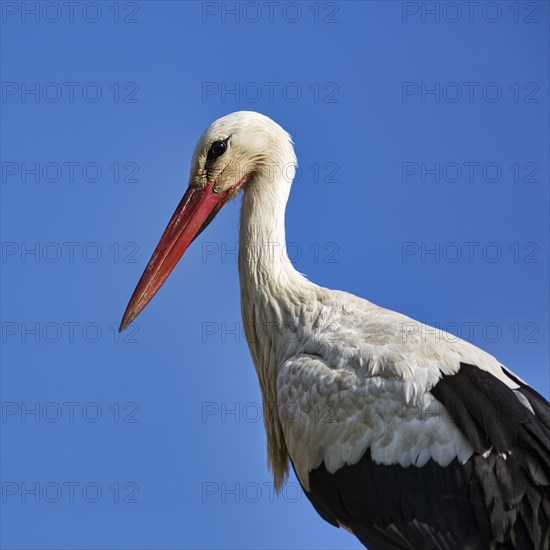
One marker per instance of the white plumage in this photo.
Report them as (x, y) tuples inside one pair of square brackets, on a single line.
[(358, 388)]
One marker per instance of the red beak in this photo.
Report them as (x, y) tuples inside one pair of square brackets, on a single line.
[(196, 210)]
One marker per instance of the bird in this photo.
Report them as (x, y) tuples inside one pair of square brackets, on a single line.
[(408, 437)]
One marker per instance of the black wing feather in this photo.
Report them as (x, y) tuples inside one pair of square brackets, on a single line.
[(499, 498)]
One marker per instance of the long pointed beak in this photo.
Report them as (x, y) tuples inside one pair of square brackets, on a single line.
[(196, 210)]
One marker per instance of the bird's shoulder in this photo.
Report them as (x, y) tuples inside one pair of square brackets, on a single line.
[(352, 334)]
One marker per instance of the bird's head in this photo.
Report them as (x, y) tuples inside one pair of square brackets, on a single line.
[(234, 152), (237, 147)]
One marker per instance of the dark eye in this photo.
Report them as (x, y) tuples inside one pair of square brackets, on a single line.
[(217, 149)]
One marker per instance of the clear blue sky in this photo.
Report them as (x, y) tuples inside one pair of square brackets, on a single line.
[(423, 144)]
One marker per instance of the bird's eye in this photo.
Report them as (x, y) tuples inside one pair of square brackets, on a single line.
[(217, 149)]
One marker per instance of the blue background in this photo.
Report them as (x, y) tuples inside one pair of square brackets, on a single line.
[(179, 375)]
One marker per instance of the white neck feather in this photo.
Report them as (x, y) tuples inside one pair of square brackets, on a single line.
[(270, 296), (262, 252)]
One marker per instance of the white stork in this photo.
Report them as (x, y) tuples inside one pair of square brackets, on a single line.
[(410, 439)]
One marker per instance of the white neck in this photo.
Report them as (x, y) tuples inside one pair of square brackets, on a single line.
[(271, 293), (263, 260)]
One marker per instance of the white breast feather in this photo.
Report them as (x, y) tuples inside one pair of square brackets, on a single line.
[(361, 379)]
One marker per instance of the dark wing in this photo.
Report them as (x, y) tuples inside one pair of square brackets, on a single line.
[(499, 498)]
